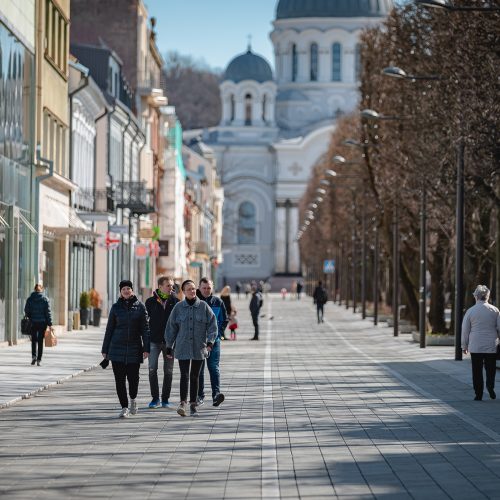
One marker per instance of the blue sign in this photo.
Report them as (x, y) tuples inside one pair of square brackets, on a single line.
[(329, 266)]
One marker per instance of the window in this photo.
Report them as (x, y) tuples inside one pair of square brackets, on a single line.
[(314, 63), (357, 61), (264, 103), (248, 110), (246, 224), (337, 62), (295, 63), (56, 37), (233, 108), (54, 142)]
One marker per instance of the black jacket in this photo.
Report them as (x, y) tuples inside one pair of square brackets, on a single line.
[(159, 312), (227, 303), (320, 295), (256, 303), (37, 309), (219, 309), (127, 331)]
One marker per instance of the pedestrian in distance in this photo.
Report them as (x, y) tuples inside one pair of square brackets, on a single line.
[(283, 293), (225, 295), (159, 307), (204, 293), (320, 297), (300, 286), (238, 289), (480, 334), (248, 289), (233, 323), (126, 344), (190, 334), (37, 309), (256, 304)]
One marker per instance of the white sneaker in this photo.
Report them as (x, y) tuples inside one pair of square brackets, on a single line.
[(181, 410), (133, 407), (124, 413)]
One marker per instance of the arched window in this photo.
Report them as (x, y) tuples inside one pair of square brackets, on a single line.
[(246, 224), (314, 62), (248, 110), (357, 61), (295, 63), (264, 104), (336, 62), (233, 107)]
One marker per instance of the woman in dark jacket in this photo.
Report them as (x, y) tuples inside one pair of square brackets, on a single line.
[(37, 309), (225, 295), (126, 344)]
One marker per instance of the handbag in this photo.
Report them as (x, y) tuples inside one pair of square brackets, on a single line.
[(50, 337), (26, 326)]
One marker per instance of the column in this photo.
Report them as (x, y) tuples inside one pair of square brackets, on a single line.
[(279, 249)]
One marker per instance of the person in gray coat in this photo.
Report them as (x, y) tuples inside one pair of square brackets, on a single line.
[(190, 334), (480, 331)]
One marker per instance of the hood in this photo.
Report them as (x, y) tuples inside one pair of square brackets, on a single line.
[(37, 296)]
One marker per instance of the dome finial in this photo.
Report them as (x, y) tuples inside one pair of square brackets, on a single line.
[(249, 46)]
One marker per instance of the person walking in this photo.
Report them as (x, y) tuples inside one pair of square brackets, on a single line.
[(204, 293), (299, 289), (159, 307), (233, 323), (320, 297), (256, 303), (37, 309), (480, 331), (126, 344), (238, 289), (225, 295), (190, 334)]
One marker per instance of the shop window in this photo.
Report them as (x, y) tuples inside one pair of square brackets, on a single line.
[(337, 62)]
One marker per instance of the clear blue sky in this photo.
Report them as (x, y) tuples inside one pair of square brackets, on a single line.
[(213, 30)]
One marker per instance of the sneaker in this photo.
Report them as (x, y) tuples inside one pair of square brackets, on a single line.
[(492, 394), (200, 401), (166, 404), (124, 413), (218, 399), (181, 409), (155, 403), (38, 363), (192, 411), (133, 407), (33, 361)]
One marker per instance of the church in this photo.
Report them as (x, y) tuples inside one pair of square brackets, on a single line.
[(275, 127)]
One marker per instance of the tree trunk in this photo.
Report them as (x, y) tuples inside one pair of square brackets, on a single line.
[(437, 271)]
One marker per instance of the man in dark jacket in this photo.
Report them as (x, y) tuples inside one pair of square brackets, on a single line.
[(37, 309), (204, 293), (320, 297), (159, 307), (256, 303)]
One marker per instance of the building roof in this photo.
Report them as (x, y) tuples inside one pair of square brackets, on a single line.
[(249, 66), (288, 9)]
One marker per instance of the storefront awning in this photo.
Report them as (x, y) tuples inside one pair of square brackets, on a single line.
[(67, 223)]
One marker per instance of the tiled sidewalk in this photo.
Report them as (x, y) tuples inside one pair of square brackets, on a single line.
[(339, 410)]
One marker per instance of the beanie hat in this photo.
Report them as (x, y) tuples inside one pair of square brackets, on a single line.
[(125, 283)]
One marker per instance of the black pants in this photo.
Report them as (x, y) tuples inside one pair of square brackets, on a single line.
[(37, 335), (319, 311), (130, 372), (255, 319), (192, 376), (488, 360)]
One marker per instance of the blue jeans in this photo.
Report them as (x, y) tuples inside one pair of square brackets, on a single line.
[(213, 361), (168, 368)]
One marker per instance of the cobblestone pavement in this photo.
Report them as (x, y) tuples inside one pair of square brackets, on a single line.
[(337, 410)]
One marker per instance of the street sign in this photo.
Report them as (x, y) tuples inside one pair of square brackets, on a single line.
[(329, 266), (118, 229)]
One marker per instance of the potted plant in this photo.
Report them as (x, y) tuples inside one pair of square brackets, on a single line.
[(95, 302), (84, 308)]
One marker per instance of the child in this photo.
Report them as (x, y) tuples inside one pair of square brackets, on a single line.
[(233, 323)]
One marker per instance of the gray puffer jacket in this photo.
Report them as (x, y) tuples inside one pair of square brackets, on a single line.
[(190, 328)]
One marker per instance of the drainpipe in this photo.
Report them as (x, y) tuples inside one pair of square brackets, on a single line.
[(124, 270)]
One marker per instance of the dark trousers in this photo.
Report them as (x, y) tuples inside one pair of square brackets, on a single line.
[(123, 372), (319, 311), (168, 369), (37, 335), (191, 375), (255, 319), (488, 360), (213, 362)]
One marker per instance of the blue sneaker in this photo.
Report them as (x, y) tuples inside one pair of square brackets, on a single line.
[(166, 404), (154, 404)]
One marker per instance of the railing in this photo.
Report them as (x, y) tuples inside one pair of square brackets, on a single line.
[(136, 197), (96, 200)]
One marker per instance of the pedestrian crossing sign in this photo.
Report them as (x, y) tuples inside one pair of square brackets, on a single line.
[(329, 266)]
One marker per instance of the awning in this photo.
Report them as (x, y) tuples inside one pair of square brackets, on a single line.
[(67, 223)]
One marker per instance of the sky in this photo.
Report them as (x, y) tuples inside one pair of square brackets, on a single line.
[(213, 30)]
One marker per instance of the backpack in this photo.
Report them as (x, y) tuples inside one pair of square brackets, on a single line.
[(323, 296)]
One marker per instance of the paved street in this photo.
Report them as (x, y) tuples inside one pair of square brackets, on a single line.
[(340, 410)]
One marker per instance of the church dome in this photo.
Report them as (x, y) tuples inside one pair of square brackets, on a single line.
[(249, 66), (291, 9)]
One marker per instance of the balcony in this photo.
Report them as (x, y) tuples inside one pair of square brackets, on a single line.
[(135, 196), (99, 201)]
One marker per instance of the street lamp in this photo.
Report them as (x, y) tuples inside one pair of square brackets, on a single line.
[(444, 4)]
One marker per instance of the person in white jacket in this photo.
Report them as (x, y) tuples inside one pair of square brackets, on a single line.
[(480, 331)]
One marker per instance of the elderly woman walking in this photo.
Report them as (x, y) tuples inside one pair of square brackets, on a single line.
[(480, 331), (190, 333)]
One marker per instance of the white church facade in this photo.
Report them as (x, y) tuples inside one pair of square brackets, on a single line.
[(275, 127)]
